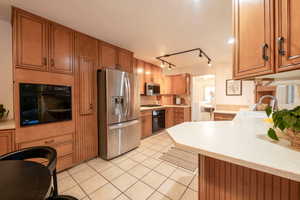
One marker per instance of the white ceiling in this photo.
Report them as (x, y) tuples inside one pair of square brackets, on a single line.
[(149, 28)]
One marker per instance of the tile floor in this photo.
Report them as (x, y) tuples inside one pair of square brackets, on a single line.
[(137, 175)]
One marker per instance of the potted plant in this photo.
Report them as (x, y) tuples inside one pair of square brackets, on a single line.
[(288, 121), (3, 112)]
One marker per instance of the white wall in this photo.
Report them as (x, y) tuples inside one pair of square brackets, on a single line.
[(6, 76), (224, 72)]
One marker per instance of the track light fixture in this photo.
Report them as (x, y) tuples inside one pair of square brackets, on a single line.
[(201, 54)]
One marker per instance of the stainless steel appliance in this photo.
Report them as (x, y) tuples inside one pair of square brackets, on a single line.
[(152, 89), (158, 120), (118, 112)]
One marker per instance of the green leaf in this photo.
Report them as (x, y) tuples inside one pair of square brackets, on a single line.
[(269, 111), (272, 134)]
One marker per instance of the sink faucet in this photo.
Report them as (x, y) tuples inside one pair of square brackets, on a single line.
[(273, 103)]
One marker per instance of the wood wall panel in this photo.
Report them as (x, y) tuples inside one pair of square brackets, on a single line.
[(220, 180)]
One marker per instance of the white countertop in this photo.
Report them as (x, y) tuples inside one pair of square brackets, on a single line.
[(10, 124), (242, 141), (164, 106)]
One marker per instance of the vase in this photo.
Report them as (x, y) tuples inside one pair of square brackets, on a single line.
[(294, 137)]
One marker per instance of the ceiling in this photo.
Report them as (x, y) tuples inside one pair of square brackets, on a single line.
[(149, 28)]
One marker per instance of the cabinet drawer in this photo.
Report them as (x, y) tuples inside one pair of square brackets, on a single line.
[(49, 141), (64, 162), (146, 113), (64, 149)]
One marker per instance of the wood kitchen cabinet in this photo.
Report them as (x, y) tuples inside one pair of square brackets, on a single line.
[(108, 55), (125, 60), (254, 35), (86, 85), (180, 84), (181, 115), (148, 72), (288, 40), (42, 45), (169, 117), (30, 41), (141, 75), (86, 145), (146, 124), (6, 141), (61, 49)]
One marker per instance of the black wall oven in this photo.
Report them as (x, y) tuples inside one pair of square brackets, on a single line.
[(158, 120)]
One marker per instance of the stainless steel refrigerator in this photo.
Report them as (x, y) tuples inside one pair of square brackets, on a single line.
[(118, 112)]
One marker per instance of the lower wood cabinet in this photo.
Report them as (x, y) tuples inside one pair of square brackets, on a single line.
[(62, 144), (146, 124), (223, 116), (6, 141), (181, 115), (169, 117)]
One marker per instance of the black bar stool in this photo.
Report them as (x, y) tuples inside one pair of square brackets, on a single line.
[(45, 152)]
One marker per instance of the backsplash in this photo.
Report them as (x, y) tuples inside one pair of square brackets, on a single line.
[(146, 100)]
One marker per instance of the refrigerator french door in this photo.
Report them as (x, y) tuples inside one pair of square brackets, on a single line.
[(118, 112)]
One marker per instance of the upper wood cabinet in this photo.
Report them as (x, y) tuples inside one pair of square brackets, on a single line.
[(42, 45), (108, 55), (125, 60), (166, 87), (141, 75), (253, 31), (61, 49), (180, 84), (148, 72), (30, 41), (288, 40), (87, 57)]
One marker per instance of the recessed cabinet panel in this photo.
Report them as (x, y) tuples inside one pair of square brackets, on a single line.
[(31, 41), (288, 39), (86, 85), (141, 75), (61, 49), (253, 31)]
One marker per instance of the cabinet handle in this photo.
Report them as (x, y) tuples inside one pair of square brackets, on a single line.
[(280, 46), (49, 141), (264, 52), (52, 62), (44, 61), (91, 106)]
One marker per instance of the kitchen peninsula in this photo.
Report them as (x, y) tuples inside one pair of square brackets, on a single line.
[(238, 161)]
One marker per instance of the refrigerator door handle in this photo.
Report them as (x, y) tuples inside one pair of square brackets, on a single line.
[(129, 95), (123, 125)]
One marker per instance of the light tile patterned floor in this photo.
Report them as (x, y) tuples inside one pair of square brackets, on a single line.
[(137, 175)]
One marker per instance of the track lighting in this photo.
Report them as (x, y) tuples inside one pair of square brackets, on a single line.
[(209, 63), (162, 65), (171, 65)]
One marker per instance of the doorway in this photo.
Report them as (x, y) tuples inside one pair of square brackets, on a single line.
[(203, 97)]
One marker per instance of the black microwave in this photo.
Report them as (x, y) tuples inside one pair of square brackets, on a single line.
[(152, 89)]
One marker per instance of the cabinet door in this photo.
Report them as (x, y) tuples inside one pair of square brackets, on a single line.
[(169, 117), (167, 85), (146, 126), (148, 73), (86, 86), (107, 55), (30, 41), (141, 75), (87, 47), (6, 144), (61, 49), (253, 31), (288, 40), (157, 72), (179, 84), (125, 60)]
